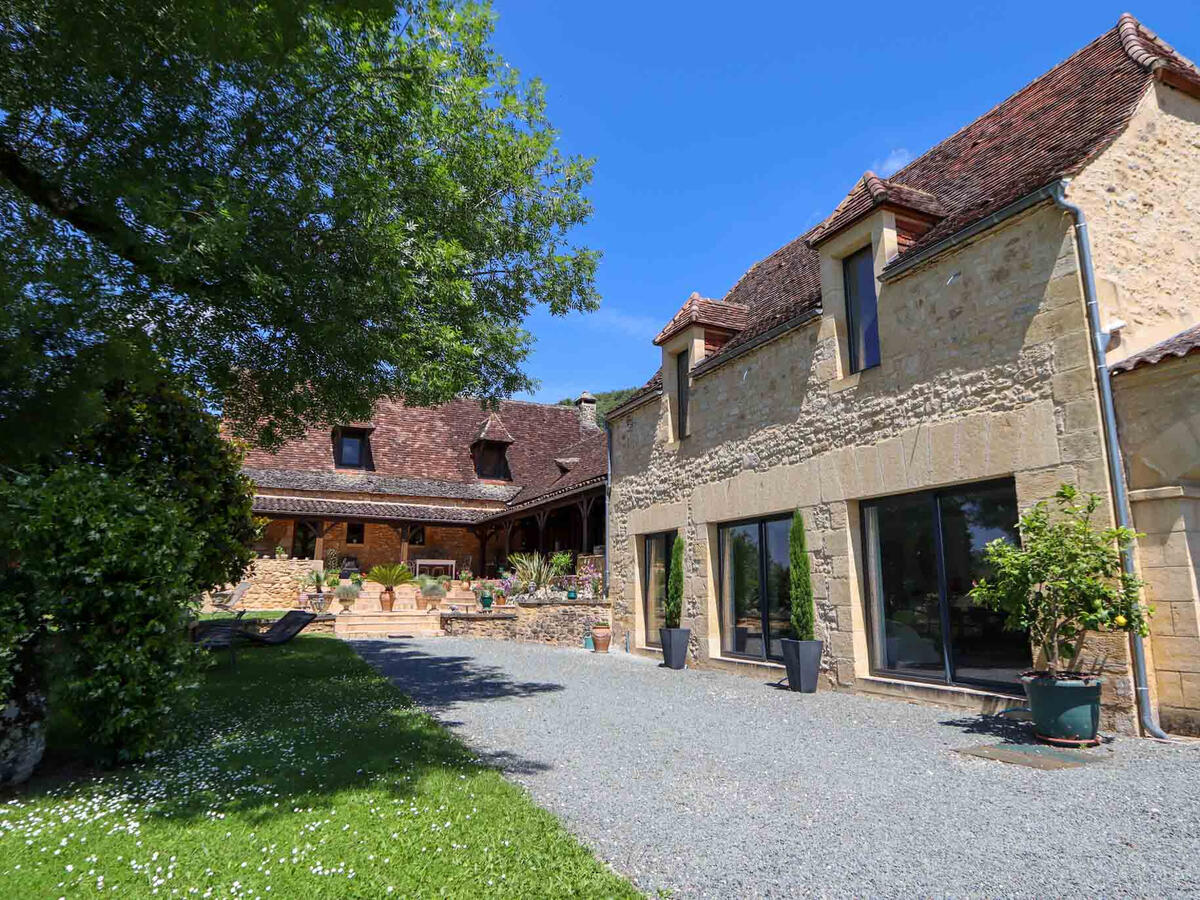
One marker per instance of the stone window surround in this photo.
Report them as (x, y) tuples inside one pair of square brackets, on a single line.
[(877, 230), (692, 340)]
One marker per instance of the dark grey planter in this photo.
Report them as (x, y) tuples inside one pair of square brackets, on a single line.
[(675, 645), (803, 661)]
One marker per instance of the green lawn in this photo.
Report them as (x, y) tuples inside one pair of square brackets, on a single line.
[(308, 776)]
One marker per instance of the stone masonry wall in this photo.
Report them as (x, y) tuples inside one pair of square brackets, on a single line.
[(562, 623), (275, 582), (1142, 201), (986, 372)]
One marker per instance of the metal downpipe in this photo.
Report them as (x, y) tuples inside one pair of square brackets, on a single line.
[(1108, 415)]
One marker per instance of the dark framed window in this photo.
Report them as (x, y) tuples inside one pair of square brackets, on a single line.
[(355, 532), (351, 449), (922, 553), (681, 393), (416, 536), (753, 582), (491, 460), (304, 538), (654, 583), (862, 314)]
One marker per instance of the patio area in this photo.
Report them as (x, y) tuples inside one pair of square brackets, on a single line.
[(712, 785)]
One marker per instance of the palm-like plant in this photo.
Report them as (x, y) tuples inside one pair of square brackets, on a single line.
[(532, 569), (390, 575)]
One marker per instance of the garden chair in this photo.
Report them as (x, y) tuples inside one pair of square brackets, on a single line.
[(230, 600), (222, 634), (283, 630)]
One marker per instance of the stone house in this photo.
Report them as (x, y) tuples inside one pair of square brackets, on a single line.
[(919, 368), (450, 484)]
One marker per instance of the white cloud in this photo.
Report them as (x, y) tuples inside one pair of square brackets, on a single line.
[(632, 324), (896, 160)]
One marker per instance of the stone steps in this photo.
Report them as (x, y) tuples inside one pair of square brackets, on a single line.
[(398, 623)]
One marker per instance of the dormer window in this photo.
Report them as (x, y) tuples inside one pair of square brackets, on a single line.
[(351, 449), (491, 460), (862, 319), (682, 386)]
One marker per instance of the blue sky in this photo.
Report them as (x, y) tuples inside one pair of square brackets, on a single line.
[(722, 131)]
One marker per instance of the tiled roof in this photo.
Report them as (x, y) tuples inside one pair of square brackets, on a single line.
[(493, 430), (426, 452), (698, 310), (368, 509), (591, 465), (365, 483), (870, 193), (1050, 129), (1179, 345)]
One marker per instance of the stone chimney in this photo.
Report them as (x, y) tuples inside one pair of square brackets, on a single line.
[(586, 407)]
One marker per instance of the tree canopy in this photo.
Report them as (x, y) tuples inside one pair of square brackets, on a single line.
[(301, 206)]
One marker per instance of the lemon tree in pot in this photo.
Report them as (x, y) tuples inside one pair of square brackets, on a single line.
[(801, 653), (1065, 580), (674, 639)]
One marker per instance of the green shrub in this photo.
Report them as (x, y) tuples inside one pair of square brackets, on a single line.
[(346, 592), (800, 577), (434, 590), (1064, 580), (560, 563), (111, 566), (390, 574), (673, 605), (332, 579)]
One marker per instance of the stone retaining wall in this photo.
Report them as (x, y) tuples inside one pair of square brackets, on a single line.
[(275, 582), (563, 623)]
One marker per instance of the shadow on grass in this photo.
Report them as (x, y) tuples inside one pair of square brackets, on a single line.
[(295, 726), (439, 682)]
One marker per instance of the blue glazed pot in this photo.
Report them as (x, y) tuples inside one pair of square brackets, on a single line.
[(1064, 710)]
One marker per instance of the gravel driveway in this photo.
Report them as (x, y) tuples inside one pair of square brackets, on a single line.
[(711, 785)]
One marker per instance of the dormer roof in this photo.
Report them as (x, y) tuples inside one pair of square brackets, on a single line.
[(871, 193), (493, 430), (696, 310)]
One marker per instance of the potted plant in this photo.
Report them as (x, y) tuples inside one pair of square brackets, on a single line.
[(602, 636), (389, 576), (572, 590), (346, 595), (801, 653), (1065, 580), (311, 583), (466, 576), (433, 595), (674, 639), (332, 580), (280, 553)]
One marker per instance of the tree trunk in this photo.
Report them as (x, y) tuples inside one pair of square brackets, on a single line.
[(23, 719)]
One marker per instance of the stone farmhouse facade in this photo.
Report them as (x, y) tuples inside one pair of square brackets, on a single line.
[(919, 368), (455, 482)]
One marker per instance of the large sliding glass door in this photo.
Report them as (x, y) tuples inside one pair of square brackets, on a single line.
[(754, 582), (923, 552), (654, 585)]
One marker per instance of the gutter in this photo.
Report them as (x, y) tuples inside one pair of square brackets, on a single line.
[(1108, 416), (894, 271)]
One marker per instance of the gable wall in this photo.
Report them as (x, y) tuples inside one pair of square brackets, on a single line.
[(1142, 201)]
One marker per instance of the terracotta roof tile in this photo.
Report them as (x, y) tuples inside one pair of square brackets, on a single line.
[(1176, 346), (870, 193), (697, 310), (368, 509), (493, 430)]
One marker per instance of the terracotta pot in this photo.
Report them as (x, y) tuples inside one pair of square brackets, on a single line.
[(387, 599), (601, 637)]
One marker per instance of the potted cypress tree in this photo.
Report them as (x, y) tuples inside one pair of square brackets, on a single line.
[(1065, 580), (674, 639), (801, 653)]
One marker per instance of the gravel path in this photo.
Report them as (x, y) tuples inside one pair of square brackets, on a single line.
[(711, 785)]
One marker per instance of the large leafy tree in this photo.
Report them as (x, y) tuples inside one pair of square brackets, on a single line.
[(301, 205)]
